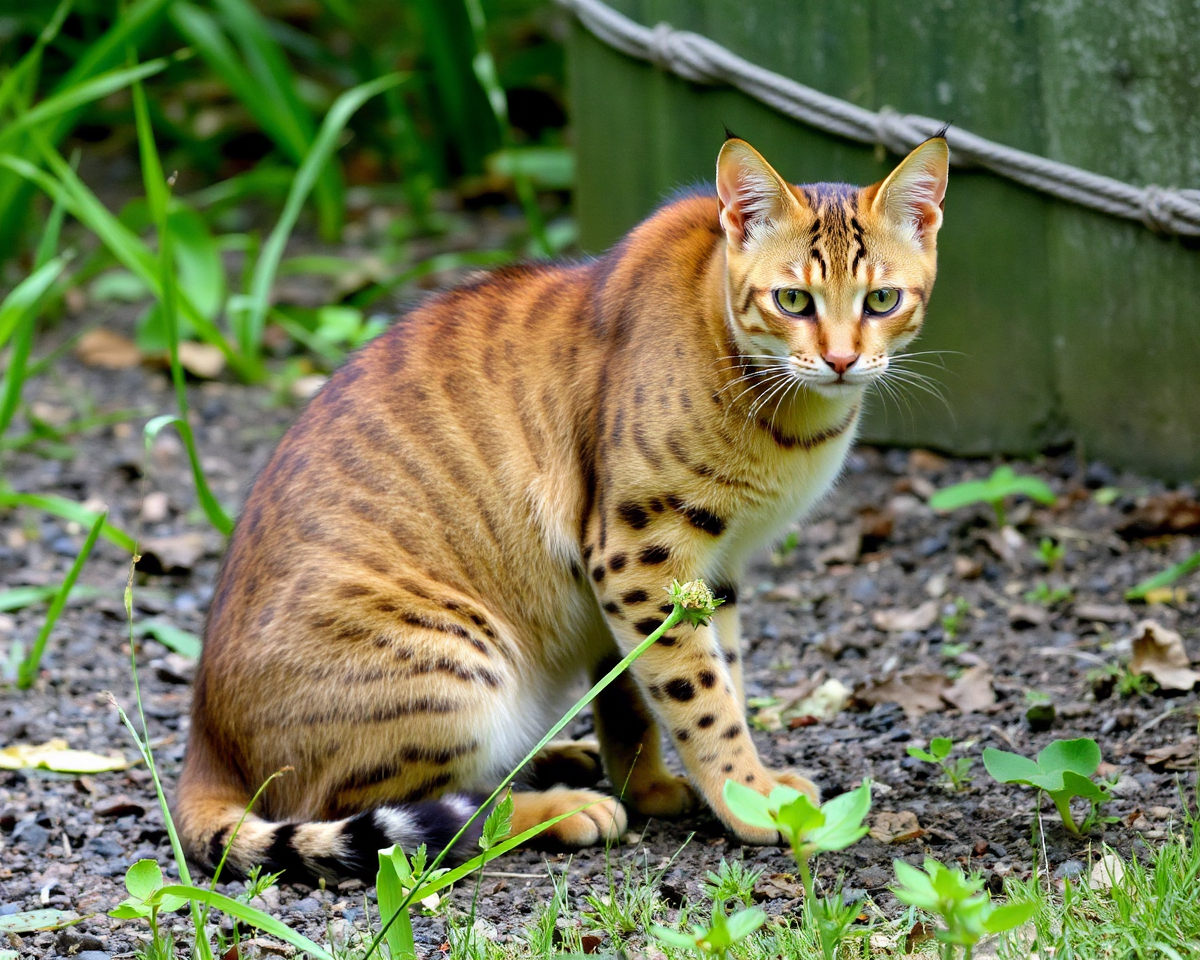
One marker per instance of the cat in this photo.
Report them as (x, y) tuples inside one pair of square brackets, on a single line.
[(487, 503)]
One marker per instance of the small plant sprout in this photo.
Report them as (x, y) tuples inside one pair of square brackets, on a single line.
[(1050, 553), (732, 880), (1064, 770), (956, 773), (807, 828), (960, 902), (721, 933), (144, 882), (1002, 484), (1048, 596), (953, 616)]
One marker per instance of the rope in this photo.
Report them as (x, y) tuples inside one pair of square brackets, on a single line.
[(700, 60)]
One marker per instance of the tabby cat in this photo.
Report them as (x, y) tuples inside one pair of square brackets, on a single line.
[(487, 502)]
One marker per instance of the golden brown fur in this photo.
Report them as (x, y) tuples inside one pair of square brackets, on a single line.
[(488, 501)]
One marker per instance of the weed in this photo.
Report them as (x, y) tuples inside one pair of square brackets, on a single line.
[(956, 773), (1048, 596), (732, 880), (721, 933), (1119, 679), (1164, 579), (1002, 484), (1063, 770), (953, 617), (1050, 553), (960, 902)]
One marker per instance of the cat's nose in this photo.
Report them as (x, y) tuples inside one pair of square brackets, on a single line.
[(840, 362)]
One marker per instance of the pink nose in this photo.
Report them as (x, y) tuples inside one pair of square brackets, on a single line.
[(840, 362)]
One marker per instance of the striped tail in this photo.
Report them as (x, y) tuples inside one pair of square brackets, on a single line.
[(333, 850)]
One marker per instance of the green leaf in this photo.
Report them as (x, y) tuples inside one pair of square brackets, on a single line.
[(498, 823), (745, 922), (1080, 756), (144, 879), (1008, 767), (390, 883), (961, 495), (920, 754), (1165, 578), (129, 910), (940, 747), (1078, 785), (673, 938), (68, 510), (843, 819), (916, 887), (25, 295), (32, 920), (247, 913), (172, 637), (551, 168), (799, 819), (748, 805), (1009, 917)]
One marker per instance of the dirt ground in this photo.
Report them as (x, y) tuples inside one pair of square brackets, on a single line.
[(860, 599)]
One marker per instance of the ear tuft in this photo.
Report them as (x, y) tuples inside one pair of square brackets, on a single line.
[(913, 194), (750, 194)]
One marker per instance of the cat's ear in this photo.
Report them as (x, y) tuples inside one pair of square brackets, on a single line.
[(749, 192), (914, 193)]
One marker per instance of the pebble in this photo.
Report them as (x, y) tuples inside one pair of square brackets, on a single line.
[(864, 590), (930, 545), (307, 905), (105, 847), (64, 546), (8, 909), (1099, 475), (32, 835), (1069, 870)]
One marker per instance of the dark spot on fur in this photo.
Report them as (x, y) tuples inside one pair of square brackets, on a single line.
[(681, 734), (635, 596), (611, 607), (655, 691), (704, 520), (707, 679), (598, 574), (616, 562), (731, 656), (633, 515), (732, 732), (706, 721), (680, 689), (666, 608), (749, 778), (653, 555), (728, 768), (647, 626)]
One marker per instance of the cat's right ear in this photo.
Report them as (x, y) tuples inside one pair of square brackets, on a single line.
[(749, 192)]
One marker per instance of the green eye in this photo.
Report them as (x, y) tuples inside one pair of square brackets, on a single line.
[(882, 301), (798, 303)]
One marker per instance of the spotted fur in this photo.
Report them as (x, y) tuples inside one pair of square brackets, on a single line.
[(487, 503)]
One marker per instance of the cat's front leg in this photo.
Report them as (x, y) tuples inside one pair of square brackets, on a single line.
[(686, 678)]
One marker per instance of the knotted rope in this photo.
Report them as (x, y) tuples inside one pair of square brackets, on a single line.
[(700, 60)]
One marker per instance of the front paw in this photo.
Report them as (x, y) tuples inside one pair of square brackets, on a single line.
[(666, 797), (789, 778)]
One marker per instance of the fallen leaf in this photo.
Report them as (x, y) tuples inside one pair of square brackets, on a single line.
[(778, 886), (590, 942), (176, 553), (899, 827), (875, 526), (845, 550), (823, 704), (901, 621), (118, 806), (1173, 756), (1102, 612), (31, 920), (201, 359), (107, 350), (918, 692), (1005, 543), (967, 568), (55, 755), (1158, 653), (1025, 615), (1108, 872), (922, 461), (305, 388), (919, 933), (972, 692), (1168, 514)]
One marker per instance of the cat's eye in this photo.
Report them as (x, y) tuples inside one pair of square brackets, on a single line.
[(882, 301), (798, 303)]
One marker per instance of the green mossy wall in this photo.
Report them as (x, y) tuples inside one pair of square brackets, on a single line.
[(1063, 325)]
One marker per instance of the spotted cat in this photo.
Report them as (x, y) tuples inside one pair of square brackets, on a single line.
[(486, 503)]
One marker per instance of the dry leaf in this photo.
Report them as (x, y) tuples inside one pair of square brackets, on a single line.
[(1025, 615), (55, 755), (922, 461), (900, 621), (1158, 653), (108, 350), (1005, 543), (1167, 514), (172, 554), (1102, 612), (898, 827), (919, 933), (778, 886), (823, 704), (972, 692), (201, 359), (1174, 756), (917, 691), (1108, 872), (590, 942)]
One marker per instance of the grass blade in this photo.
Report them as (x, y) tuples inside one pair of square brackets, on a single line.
[(1165, 578), (18, 598), (68, 510), (29, 666), (250, 327), (25, 296), (28, 64), (212, 508), (248, 914)]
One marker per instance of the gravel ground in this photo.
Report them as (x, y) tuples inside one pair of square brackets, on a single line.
[(860, 599)]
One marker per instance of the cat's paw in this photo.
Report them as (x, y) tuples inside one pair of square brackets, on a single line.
[(669, 796), (601, 819), (789, 778), (573, 763)]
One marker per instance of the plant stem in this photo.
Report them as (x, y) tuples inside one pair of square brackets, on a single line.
[(1062, 803), (1001, 519)]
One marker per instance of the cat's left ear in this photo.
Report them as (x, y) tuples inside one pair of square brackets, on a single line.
[(749, 192), (914, 194)]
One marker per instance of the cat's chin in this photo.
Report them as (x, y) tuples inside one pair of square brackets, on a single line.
[(837, 390)]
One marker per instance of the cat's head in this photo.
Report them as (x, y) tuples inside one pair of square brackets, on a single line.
[(829, 280)]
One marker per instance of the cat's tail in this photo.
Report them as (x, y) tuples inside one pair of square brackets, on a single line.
[(207, 813)]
